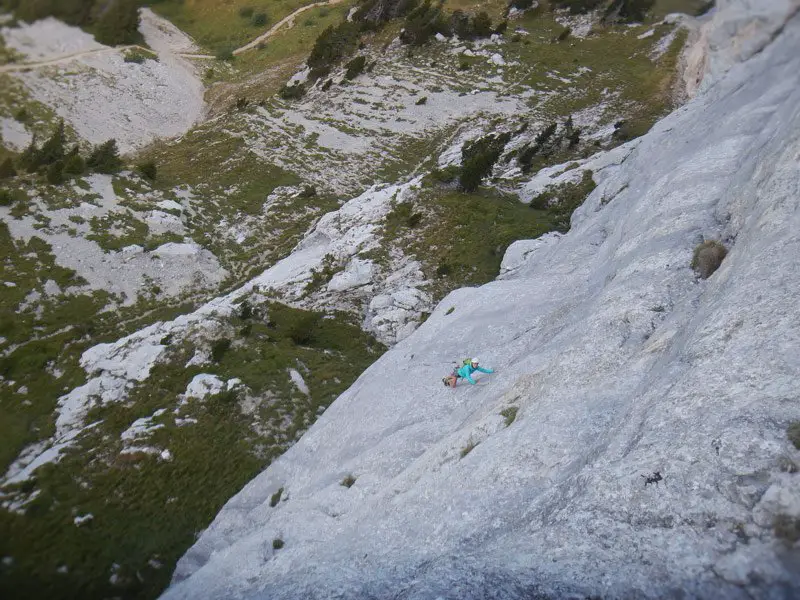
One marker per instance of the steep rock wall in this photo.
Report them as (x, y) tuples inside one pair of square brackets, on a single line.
[(620, 362)]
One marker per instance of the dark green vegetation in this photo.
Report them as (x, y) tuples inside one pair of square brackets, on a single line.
[(793, 433), (707, 258), (461, 237), (111, 21), (562, 200), (57, 164), (147, 509), (510, 414)]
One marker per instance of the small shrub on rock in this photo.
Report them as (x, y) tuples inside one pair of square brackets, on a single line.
[(786, 528), (7, 169), (148, 170), (219, 348), (275, 498), (793, 433), (355, 67), (292, 92), (510, 414), (421, 101), (707, 258), (348, 481), (277, 544), (309, 191)]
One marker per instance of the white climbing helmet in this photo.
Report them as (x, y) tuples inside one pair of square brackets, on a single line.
[(475, 361)]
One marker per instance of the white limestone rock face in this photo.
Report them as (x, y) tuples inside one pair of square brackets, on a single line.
[(621, 363)]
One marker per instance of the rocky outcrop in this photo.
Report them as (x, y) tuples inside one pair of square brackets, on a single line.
[(613, 361)]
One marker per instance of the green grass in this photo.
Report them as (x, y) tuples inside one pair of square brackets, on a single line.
[(216, 25), (148, 509), (461, 238)]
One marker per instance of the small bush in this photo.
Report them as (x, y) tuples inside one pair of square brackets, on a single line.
[(580, 7), (292, 92), (260, 19), (74, 164), (421, 101), (55, 173), (482, 25), (786, 528), (707, 258), (277, 544), (7, 169), (510, 414), (355, 67), (219, 348), (246, 12), (450, 310), (245, 311), (275, 498), (403, 215), (793, 433), (5, 198), (303, 329), (565, 33), (309, 191), (348, 481), (224, 54), (447, 175), (148, 170), (327, 85), (468, 448), (22, 115), (138, 56), (628, 11)]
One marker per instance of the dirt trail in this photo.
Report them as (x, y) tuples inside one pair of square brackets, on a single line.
[(21, 66), (289, 19)]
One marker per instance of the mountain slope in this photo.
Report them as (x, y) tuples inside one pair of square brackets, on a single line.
[(620, 363)]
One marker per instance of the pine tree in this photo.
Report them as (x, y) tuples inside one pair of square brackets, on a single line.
[(53, 149), (7, 169), (74, 164), (55, 173), (105, 158), (29, 159)]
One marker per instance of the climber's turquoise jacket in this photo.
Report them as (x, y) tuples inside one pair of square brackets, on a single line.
[(466, 371)]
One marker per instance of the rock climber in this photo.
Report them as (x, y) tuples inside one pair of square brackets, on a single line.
[(465, 372)]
